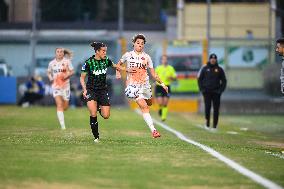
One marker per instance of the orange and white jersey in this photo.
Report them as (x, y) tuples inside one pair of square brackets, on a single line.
[(58, 71), (141, 62)]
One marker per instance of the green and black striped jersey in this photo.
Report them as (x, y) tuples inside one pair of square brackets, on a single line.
[(96, 72)]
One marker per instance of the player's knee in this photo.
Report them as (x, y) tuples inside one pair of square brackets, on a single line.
[(144, 108), (106, 116), (66, 107), (59, 108), (93, 114)]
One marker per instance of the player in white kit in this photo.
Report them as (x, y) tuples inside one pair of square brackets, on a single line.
[(59, 71), (138, 85)]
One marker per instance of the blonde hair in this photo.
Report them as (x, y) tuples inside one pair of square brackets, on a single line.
[(67, 52)]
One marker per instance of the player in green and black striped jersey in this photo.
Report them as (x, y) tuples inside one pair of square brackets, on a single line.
[(96, 71), (95, 91)]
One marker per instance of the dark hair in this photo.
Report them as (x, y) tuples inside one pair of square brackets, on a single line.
[(139, 36), (213, 55), (163, 55), (281, 41), (97, 45)]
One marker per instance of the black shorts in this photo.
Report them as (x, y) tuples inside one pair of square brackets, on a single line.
[(160, 91), (100, 96)]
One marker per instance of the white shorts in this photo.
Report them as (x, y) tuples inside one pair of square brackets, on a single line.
[(65, 93), (139, 91)]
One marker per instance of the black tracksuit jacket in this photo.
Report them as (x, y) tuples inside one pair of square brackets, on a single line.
[(212, 79)]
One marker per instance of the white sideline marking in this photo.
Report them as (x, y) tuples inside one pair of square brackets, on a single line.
[(232, 132), (243, 129), (275, 154), (244, 171)]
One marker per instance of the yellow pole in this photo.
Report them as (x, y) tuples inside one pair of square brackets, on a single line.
[(165, 46), (123, 45), (204, 51)]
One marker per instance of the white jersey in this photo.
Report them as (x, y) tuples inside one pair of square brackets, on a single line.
[(58, 71), (141, 62)]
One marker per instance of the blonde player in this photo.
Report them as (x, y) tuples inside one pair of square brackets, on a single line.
[(138, 86), (59, 71)]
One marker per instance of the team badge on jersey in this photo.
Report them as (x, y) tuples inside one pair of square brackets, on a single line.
[(84, 66)]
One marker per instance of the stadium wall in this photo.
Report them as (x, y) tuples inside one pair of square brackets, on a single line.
[(228, 20)]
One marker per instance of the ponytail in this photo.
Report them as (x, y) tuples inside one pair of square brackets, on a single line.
[(67, 52)]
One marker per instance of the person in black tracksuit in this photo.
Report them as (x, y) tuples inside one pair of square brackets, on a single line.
[(212, 83)]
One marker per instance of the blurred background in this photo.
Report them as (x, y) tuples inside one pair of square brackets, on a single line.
[(241, 33)]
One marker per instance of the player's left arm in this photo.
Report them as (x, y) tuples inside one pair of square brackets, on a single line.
[(155, 75), (118, 67), (70, 71), (223, 80), (157, 78), (173, 74)]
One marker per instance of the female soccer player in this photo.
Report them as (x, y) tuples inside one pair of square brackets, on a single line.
[(167, 74), (95, 91), (138, 86), (59, 71)]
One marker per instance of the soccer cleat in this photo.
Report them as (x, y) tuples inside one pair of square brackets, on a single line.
[(25, 105), (214, 130), (156, 134), (96, 140), (206, 127)]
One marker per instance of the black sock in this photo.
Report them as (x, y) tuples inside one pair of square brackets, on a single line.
[(100, 111), (94, 126)]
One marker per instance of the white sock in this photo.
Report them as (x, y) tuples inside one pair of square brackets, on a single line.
[(148, 119), (60, 116)]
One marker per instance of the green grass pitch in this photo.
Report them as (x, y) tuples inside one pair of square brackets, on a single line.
[(35, 153)]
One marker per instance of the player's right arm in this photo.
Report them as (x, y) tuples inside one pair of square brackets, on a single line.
[(120, 68), (119, 65), (49, 73), (200, 77), (83, 83), (173, 74), (84, 72)]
